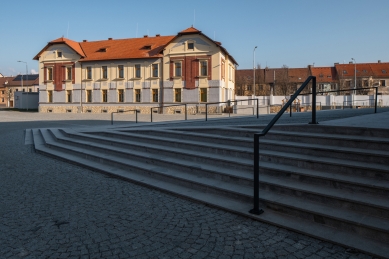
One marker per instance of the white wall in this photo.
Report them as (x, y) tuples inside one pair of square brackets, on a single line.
[(324, 100)]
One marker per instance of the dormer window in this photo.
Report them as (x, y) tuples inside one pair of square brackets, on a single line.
[(383, 71), (103, 49), (147, 47), (190, 45), (344, 72), (59, 54)]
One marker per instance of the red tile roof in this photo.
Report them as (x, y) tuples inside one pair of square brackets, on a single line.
[(190, 30), (72, 44), (380, 69), (125, 48), (5, 79), (298, 75), (324, 74)]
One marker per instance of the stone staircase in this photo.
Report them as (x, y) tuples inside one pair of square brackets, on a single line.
[(327, 182)]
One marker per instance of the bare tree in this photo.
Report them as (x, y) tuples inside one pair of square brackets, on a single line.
[(9, 95), (283, 80)]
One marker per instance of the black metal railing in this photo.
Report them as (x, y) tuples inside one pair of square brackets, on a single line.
[(164, 106), (228, 105), (256, 210), (136, 115)]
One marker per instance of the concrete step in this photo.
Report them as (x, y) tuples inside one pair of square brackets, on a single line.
[(270, 216), (325, 129), (198, 157), (239, 134), (348, 183), (216, 141), (245, 166), (327, 164), (318, 150), (321, 194)]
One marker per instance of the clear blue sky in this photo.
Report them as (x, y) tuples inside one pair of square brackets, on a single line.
[(293, 33)]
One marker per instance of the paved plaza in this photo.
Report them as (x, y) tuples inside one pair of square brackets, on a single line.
[(52, 209)]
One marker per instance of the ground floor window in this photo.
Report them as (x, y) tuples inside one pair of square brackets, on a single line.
[(203, 95), (88, 96), (69, 96), (50, 96), (155, 95), (137, 95), (121, 95), (177, 95), (105, 96)]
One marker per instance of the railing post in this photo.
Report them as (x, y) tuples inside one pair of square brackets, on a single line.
[(256, 210), (111, 118), (313, 101), (206, 112), (186, 112), (376, 98), (136, 116), (290, 108), (151, 114)]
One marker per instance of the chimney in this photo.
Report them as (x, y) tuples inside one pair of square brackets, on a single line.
[(350, 62), (145, 36), (379, 61), (84, 40), (337, 63), (157, 35), (109, 38)]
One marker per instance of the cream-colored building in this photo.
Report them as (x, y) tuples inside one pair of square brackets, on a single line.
[(137, 73)]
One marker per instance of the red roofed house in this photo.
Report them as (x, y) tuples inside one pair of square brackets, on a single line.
[(326, 79), (366, 75), (138, 73)]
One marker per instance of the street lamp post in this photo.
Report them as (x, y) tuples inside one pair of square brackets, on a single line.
[(26, 79), (355, 74), (254, 68)]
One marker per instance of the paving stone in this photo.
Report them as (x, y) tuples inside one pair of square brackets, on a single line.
[(57, 210)]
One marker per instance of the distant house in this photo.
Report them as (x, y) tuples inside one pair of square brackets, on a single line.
[(22, 83), (326, 79), (137, 73), (276, 81), (366, 75), (285, 81), (4, 94)]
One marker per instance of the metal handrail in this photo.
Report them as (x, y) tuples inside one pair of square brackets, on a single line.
[(136, 115), (229, 104), (186, 110), (256, 210)]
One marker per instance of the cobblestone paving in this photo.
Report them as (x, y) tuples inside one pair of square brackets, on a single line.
[(51, 209)]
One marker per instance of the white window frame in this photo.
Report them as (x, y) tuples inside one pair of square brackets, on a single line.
[(136, 66), (48, 73), (152, 70), (106, 72), (200, 69), (122, 69), (175, 68), (89, 69)]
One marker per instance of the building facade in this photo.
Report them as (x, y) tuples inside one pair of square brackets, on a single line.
[(21, 83), (285, 81), (139, 73)]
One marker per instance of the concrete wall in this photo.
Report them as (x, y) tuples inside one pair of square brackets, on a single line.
[(322, 100)]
